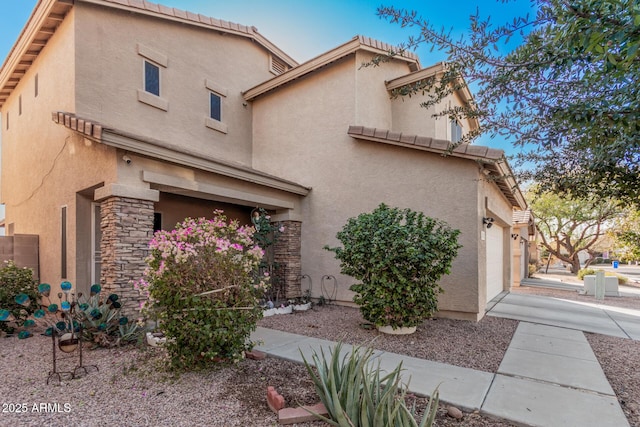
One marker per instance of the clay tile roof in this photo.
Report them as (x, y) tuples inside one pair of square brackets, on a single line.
[(522, 217), (85, 127), (492, 158)]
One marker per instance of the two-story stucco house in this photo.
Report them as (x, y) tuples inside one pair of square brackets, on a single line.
[(123, 116)]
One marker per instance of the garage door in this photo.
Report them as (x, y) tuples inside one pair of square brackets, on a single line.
[(495, 266)]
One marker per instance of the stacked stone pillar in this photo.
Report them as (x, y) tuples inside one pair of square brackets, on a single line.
[(287, 256), (127, 228)]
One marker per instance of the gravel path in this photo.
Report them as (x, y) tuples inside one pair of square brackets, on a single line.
[(132, 387)]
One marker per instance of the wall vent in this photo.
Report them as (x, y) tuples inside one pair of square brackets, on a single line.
[(277, 66)]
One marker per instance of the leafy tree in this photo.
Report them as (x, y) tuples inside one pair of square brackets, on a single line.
[(569, 226), (627, 235), (567, 94)]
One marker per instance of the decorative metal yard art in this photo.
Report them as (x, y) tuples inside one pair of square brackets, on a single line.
[(66, 334), (62, 326), (75, 319)]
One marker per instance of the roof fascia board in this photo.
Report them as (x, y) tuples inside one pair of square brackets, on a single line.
[(313, 64), (147, 148), (464, 92), (251, 33), (221, 193), (415, 76), (301, 70), (507, 175), (27, 35)]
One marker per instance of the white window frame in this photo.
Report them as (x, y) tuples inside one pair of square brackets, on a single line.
[(456, 131)]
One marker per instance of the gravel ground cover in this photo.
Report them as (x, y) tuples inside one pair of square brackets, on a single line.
[(132, 387), (476, 345)]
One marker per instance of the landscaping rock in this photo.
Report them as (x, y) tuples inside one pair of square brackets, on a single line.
[(302, 414), (255, 355), (274, 400), (454, 412)]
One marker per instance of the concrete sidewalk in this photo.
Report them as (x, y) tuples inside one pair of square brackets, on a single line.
[(581, 316), (624, 290), (548, 377)]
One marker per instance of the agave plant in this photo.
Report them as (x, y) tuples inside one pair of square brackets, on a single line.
[(356, 394)]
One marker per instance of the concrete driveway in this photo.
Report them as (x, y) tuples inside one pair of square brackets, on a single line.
[(582, 316)]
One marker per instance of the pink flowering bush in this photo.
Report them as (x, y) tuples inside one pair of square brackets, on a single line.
[(202, 286)]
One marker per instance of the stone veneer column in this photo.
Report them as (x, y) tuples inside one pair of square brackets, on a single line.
[(287, 256), (127, 228)]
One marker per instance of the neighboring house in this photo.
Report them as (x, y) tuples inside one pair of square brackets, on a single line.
[(121, 117), (524, 245)]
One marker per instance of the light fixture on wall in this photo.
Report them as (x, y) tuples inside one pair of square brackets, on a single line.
[(515, 236), (488, 221)]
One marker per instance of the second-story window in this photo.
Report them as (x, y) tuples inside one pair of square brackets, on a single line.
[(153, 63), (217, 99), (215, 106), (456, 131), (151, 78)]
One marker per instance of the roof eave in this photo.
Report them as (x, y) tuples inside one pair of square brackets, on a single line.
[(42, 24), (492, 159), (198, 20), (348, 48), (165, 152), (464, 92)]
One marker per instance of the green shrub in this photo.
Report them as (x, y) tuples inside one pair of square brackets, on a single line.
[(399, 255), (16, 281), (585, 272), (203, 288), (356, 394), (590, 271)]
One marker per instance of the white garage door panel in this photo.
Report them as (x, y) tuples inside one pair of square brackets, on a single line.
[(495, 266)]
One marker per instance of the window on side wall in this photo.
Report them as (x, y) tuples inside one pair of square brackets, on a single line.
[(151, 78), (215, 106), (153, 64), (456, 131), (217, 95)]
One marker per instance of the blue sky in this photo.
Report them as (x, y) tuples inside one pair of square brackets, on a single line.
[(305, 29)]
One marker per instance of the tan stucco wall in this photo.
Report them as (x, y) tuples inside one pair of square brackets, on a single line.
[(110, 73), (200, 187), (43, 163), (494, 204), (349, 177)]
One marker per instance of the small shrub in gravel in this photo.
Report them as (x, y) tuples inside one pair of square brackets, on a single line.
[(17, 281)]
